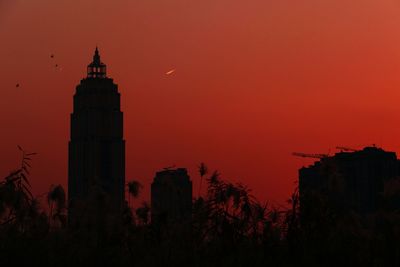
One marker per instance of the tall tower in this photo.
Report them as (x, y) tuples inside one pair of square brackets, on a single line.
[(96, 148)]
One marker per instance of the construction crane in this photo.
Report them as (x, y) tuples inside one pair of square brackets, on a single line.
[(305, 155), (347, 149)]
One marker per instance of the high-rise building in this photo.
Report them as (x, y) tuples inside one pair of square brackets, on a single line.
[(171, 197), (96, 148), (350, 180)]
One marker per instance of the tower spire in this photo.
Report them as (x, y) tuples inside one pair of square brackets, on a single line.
[(96, 56), (96, 69)]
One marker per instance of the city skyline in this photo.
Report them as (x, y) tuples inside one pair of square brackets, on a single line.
[(200, 133), (252, 84)]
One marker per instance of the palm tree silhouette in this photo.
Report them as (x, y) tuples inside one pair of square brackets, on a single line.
[(203, 170), (134, 188)]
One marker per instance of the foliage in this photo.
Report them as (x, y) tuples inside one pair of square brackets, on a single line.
[(203, 170), (57, 201), (229, 227)]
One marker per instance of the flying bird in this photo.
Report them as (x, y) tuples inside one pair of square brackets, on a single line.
[(58, 67), (170, 72), (17, 85), (52, 55)]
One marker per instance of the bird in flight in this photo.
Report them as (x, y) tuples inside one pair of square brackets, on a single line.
[(52, 56), (17, 85)]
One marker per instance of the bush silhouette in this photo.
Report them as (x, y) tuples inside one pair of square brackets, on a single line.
[(229, 227)]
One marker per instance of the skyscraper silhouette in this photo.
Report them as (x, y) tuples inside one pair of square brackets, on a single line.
[(96, 148)]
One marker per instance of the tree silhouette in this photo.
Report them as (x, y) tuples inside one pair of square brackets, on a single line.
[(17, 203), (57, 202), (134, 188), (228, 227), (203, 170), (142, 213)]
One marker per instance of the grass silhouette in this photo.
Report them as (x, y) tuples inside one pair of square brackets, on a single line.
[(229, 227)]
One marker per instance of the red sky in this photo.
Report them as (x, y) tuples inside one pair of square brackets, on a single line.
[(255, 80)]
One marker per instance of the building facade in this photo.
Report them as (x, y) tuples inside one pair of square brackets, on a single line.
[(350, 180), (171, 197), (96, 147)]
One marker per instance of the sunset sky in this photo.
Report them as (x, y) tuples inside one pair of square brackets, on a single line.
[(254, 81)]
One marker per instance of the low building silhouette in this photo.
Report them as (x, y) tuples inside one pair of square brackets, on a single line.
[(350, 180), (171, 197)]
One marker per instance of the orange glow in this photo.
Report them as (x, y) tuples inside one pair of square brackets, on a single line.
[(257, 81)]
